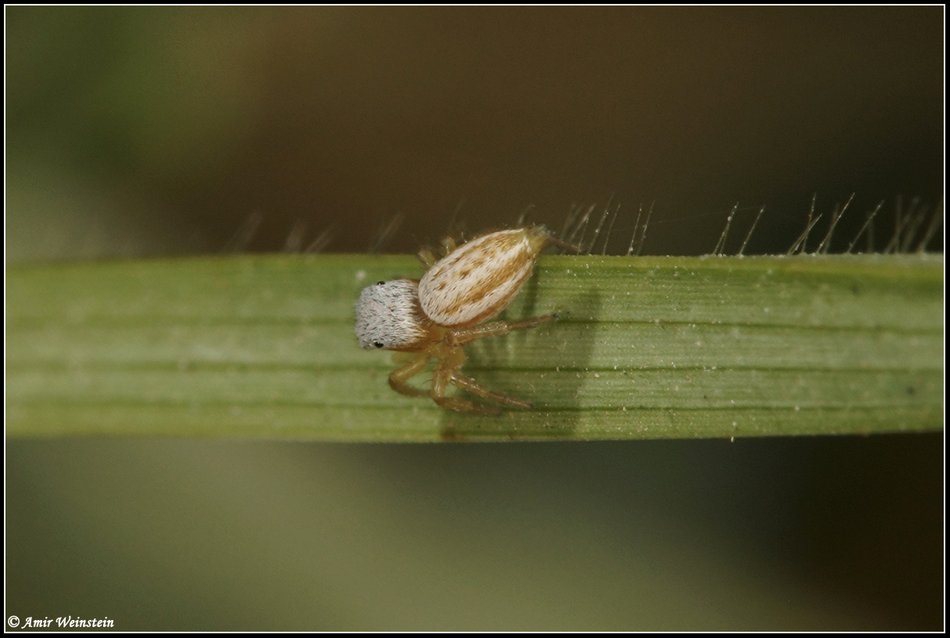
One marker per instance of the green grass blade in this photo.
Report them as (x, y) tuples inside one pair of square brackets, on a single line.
[(651, 347)]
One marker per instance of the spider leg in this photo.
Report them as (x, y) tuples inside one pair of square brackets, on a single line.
[(464, 405), (470, 385), (427, 257), (495, 329), (446, 374), (563, 245), (448, 245), (400, 376)]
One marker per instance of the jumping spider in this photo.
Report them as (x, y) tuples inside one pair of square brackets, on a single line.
[(436, 316)]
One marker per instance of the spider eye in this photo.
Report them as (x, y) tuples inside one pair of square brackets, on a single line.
[(377, 344), (380, 283)]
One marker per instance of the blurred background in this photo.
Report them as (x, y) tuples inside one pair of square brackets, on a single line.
[(141, 132)]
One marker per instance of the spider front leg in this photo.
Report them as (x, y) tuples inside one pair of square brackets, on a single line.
[(398, 378)]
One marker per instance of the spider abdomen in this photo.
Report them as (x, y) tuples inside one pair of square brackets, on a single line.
[(479, 279)]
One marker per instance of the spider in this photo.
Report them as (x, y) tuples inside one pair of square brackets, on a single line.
[(436, 316)]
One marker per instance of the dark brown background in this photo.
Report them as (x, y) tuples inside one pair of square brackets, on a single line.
[(170, 129)]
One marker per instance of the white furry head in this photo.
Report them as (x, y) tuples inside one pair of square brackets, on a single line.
[(388, 315)]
